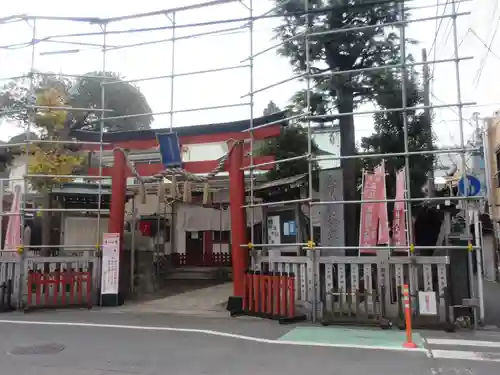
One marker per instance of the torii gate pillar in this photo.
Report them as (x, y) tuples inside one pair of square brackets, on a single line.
[(116, 222), (239, 253), (118, 194)]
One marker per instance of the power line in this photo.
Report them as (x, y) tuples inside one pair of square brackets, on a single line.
[(483, 61), (484, 44), (436, 33)]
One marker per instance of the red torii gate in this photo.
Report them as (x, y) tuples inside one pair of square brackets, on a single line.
[(236, 160), (236, 198)]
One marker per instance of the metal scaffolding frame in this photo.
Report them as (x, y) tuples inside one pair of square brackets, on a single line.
[(104, 33), (249, 63), (308, 119), (103, 24)]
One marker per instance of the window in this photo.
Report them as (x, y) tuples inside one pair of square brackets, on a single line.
[(221, 236)]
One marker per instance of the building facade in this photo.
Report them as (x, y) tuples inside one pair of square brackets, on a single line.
[(492, 154)]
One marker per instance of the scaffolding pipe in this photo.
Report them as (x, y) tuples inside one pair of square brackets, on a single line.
[(177, 111), (252, 135), (12, 145), (388, 24), (385, 67), (377, 111), (84, 177), (169, 11), (82, 247), (368, 156), (101, 138), (274, 162), (309, 145), (184, 37), (462, 144), (132, 246), (271, 204), (273, 85), (404, 101), (281, 121), (86, 76), (2, 190), (391, 247), (64, 210), (426, 199), (246, 19), (70, 109), (172, 75), (13, 78), (31, 118)]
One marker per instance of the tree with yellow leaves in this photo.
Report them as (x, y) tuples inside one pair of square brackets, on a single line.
[(51, 159)]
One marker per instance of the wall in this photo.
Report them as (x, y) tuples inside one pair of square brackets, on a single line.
[(493, 146), (82, 231), (149, 208), (17, 171), (191, 217)]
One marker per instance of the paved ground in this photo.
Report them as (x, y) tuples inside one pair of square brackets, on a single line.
[(208, 301), (172, 288), (91, 343), (492, 302)]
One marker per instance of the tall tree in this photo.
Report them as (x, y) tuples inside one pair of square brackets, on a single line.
[(331, 51), (388, 136), (122, 98), (51, 159)]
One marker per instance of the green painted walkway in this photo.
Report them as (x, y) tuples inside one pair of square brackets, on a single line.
[(350, 337)]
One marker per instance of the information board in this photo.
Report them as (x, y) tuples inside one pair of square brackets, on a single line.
[(110, 263), (427, 303), (273, 230)]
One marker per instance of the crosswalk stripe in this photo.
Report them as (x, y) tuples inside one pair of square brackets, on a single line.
[(471, 356), (457, 342)]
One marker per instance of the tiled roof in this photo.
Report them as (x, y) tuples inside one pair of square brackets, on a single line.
[(218, 128)]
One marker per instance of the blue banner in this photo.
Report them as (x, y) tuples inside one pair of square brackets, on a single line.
[(170, 149)]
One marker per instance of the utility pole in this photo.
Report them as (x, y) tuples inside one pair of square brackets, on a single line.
[(431, 188)]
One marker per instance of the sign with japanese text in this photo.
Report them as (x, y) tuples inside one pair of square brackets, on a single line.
[(399, 221), (110, 263), (383, 220), (369, 214)]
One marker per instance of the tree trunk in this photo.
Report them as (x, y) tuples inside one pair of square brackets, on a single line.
[(46, 225), (349, 173)]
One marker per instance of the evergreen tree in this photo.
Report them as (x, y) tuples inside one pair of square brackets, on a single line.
[(331, 51), (388, 136)]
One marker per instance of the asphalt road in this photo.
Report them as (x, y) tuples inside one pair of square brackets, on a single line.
[(92, 350)]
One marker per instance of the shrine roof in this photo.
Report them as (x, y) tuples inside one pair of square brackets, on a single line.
[(217, 128)]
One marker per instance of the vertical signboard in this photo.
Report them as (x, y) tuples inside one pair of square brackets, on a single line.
[(331, 215), (273, 230), (110, 263)]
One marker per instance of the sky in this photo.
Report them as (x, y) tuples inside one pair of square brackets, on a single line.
[(231, 47)]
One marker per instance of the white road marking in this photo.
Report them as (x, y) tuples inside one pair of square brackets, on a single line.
[(428, 351), (451, 371), (457, 342), (470, 356), (213, 333)]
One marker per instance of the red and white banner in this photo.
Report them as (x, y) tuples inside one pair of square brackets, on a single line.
[(374, 223), (383, 220), (399, 221), (373, 188)]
